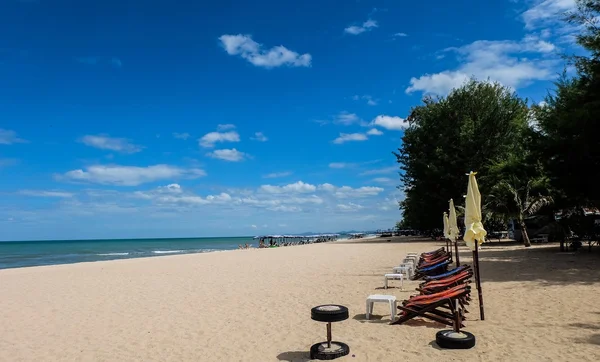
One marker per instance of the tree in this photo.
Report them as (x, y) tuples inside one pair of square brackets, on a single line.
[(518, 198), (568, 121), (474, 127)]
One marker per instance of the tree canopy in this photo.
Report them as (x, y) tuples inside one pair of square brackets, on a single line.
[(474, 127)]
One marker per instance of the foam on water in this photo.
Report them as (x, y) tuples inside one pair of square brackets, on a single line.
[(167, 251), (18, 254)]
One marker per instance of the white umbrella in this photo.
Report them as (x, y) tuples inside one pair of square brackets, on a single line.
[(453, 230), (452, 223), (474, 233), (446, 231)]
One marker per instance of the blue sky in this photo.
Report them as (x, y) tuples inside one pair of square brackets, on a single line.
[(187, 118)]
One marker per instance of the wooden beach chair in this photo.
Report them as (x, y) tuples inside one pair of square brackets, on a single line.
[(433, 307), (448, 273), (431, 270), (435, 286), (425, 263)]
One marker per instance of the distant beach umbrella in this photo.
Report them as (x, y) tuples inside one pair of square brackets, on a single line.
[(452, 222), (446, 229), (453, 230)]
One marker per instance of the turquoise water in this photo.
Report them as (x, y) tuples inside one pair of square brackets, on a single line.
[(17, 254)]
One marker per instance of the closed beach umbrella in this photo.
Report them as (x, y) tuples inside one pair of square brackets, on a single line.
[(474, 233), (452, 223), (453, 230), (446, 234)]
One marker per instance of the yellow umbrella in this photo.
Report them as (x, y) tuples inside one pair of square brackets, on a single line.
[(446, 230), (474, 233), (474, 228), (453, 230), (452, 223)]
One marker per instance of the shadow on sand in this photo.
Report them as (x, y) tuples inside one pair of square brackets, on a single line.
[(543, 264), (294, 356), (373, 318)]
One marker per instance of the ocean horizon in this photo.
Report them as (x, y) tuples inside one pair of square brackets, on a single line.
[(20, 254)]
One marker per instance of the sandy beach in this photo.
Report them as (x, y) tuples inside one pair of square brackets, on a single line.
[(254, 305)]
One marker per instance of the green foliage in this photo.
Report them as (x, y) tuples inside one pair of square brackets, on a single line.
[(473, 128), (568, 137)]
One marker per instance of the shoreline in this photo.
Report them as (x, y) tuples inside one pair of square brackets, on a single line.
[(42, 253), (162, 255), (256, 306)]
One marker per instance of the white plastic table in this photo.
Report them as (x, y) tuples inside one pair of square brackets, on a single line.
[(371, 299), (404, 269), (387, 277)]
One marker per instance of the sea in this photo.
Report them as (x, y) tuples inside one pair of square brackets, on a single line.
[(18, 254)]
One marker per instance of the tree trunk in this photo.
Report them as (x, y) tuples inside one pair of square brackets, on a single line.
[(524, 235)]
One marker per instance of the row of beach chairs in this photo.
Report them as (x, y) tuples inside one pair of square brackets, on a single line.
[(443, 294)]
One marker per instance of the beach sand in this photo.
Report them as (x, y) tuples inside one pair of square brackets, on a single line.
[(254, 305)]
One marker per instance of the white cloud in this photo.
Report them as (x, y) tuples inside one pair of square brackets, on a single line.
[(231, 155), (225, 127), (346, 119), (181, 136), (512, 63), (349, 207), (347, 137), (298, 187), (174, 194), (177, 210), (374, 132), (209, 139), (105, 142), (277, 174), (8, 137), (327, 187), (130, 175), (284, 208), (359, 29), (341, 165), (546, 12), (383, 180), (277, 56), (260, 137), (349, 192), (43, 193), (380, 171), (392, 123), (254, 226), (338, 165), (400, 35), (370, 100)]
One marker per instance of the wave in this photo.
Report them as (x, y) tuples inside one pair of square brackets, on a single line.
[(167, 251), (113, 254)]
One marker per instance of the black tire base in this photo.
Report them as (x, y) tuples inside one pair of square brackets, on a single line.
[(450, 340), (329, 313), (321, 352)]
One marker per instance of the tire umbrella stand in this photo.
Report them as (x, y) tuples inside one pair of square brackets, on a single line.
[(329, 350), (455, 338)]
